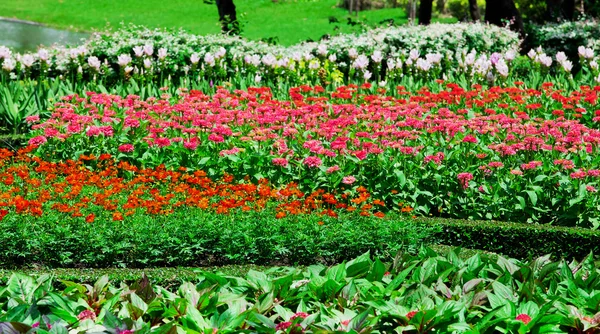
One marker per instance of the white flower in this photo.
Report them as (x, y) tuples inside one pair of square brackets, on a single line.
[(94, 63), (148, 49), (434, 58), (269, 60), (561, 57), (352, 53), (598, 79), (5, 52), (43, 55), (296, 56), (413, 54), (367, 75), (470, 59), (257, 78), (123, 60), (423, 64), (510, 55), (8, 64), (138, 51), (567, 66), (79, 69), (361, 62), (531, 54), (545, 60), (147, 63), (587, 53), (382, 83), (128, 69), (502, 68), (308, 56), (332, 57), (209, 59), (314, 65), (322, 49), (220, 53), (27, 60), (376, 56), (162, 53), (594, 65), (194, 58)]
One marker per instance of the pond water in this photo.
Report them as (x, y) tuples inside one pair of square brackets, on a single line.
[(23, 37)]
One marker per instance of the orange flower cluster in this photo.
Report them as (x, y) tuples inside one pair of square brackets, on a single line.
[(94, 187)]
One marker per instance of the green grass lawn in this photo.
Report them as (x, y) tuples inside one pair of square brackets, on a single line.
[(290, 22)]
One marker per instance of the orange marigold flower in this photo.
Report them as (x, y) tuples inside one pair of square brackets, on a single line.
[(117, 216), (379, 214), (90, 218), (280, 215)]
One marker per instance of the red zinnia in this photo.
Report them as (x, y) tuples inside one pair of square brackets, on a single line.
[(524, 318)]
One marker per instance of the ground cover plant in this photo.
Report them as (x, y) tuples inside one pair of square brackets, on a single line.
[(415, 294), (513, 153)]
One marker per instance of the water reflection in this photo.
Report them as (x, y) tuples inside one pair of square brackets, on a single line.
[(23, 37)]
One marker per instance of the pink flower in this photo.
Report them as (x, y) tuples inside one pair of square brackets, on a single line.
[(32, 119), (594, 173), (86, 314), (126, 148), (283, 325), (411, 314), (516, 172), (524, 318), (348, 179), (333, 169), (579, 175), (37, 141), (469, 139), (280, 162), (93, 131), (191, 144), (162, 142), (131, 123), (590, 189), (216, 138), (125, 331), (302, 315), (313, 162), (361, 155), (464, 179)]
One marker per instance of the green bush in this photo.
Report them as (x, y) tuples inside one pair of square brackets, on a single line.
[(513, 239), (565, 37), (200, 238)]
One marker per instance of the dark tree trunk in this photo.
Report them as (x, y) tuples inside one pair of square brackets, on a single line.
[(474, 10), (568, 8), (425, 8), (499, 11), (227, 16), (559, 10)]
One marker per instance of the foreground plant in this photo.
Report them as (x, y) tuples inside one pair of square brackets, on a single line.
[(419, 294)]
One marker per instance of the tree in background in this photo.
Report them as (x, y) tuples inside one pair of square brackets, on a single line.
[(227, 16), (474, 10), (425, 8), (500, 12)]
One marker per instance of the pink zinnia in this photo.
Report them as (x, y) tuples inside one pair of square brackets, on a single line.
[(280, 162), (590, 189), (283, 325), (216, 138), (191, 144), (469, 139), (302, 315), (32, 119), (313, 162), (37, 141), (333, 169), (348, 179), (162, 142), (93, 131), (126, 148), (464, 179), (524, 318)]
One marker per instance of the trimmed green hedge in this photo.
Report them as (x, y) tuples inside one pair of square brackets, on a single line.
[(196, 237), (513, 239)]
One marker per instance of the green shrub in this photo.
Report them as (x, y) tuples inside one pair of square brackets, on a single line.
[(515, 240), (565, 37), (200, 238)]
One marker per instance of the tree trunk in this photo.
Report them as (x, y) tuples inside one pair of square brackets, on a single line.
[(227, 16), (499, 11), (425, 8), (559, 10), (474, 10)]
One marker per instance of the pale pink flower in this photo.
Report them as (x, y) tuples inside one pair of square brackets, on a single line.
[(313, 162), (348, 179)]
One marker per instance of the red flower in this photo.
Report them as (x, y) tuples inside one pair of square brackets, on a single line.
[(524, 318), (411, 314), (90, 218)]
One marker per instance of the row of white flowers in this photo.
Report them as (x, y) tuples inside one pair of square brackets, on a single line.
[(438, 50)]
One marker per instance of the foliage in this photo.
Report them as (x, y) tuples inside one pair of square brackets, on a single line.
[(565, 37), (522, 241), (413, 295)]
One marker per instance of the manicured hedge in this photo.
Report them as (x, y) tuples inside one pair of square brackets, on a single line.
[(513, 239), (199, 238)]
